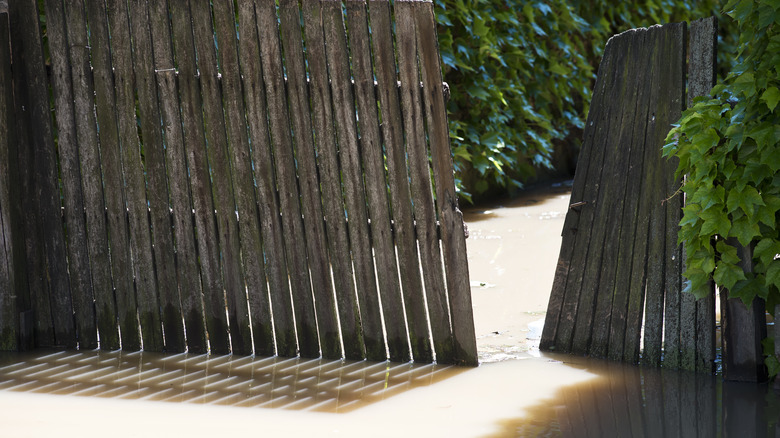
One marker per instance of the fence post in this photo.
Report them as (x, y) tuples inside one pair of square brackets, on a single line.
[(743, 329)]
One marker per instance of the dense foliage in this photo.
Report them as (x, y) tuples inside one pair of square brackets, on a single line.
[(521, 75), (729, 148)]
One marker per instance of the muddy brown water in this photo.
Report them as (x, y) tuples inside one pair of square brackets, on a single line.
[(515, 392)]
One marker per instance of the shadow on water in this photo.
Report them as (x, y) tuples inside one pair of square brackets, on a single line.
[(280, 383), (632, 401)]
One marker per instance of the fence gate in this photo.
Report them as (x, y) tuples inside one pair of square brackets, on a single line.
[(237, 177), (619, 277)]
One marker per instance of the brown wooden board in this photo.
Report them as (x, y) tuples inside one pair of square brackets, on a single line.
[(398, 177), (49, 286), (453, 236), (154, 154), (234, 295), (600, 274), (91, 179), (110, 154), (376, 183), (627, 241), (9, 312), (701, 78), (598, 124), (420, 177), (199, 176), (78, 251), (243, 187), (571, 223), (330, 180), (352, 174), (267, 201), (134, 179), (284, 160), (179, 184), (314, 227)]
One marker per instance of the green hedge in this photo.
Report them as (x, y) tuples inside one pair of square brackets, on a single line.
[(521, 75)]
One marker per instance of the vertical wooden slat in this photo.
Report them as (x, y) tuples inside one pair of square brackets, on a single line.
[(295, 245), (78, 251), (199, 175), (330, 180), (554, 320), (91, 177), (134, 180), (314, 227), (268, 203), (701, 78), (108, 136), (673, 101), (177, 155), (587, 204), (376, 184), (400, 192), (452, 232), (243, 183), (628, 241), (222, 187), (349, 155), (52, 302), (10, 228), (154, 153), (600, 274), (422, 194)]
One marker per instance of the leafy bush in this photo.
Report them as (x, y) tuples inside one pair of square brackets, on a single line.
[(729, 148), (522, 73)]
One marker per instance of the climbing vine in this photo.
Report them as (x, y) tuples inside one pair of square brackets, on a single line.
[(728, 145)]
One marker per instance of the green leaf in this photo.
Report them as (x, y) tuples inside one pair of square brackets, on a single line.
[(766, 250), (727, 275), (744, 231), (773, 274), (728, 253), (771, 97)]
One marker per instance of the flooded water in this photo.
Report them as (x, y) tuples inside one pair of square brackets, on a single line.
[(515, 392)]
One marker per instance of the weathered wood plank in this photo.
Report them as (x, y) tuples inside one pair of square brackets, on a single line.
[(267, 201), (330, 180), (32, 85), (284, 160), (78, 250), (154, 153), (10, 228), (199, 176), (422, 194), (110, 153), (452, 232), (314, 227), (631, 218), (181, 205), (219, 163), (587, 204), (571, 224), (701, 78), (258, 312), (611, 200), (671, 105), (355, 195), (743, 328), (376, 183), (398, 177), (134, 181), (91, 178)]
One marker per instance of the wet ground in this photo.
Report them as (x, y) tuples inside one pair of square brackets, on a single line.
[(516, 391)]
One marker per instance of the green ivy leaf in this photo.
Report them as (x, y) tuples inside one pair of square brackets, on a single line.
[(744, 231), (727, 274), (771, 97), (766, 250), (773, 274), (728, 253)]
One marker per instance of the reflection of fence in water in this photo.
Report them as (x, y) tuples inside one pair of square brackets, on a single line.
[(299, 384), (649, 402)]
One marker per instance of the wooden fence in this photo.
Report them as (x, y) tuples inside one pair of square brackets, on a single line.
[(237, 177), (619, 280)]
